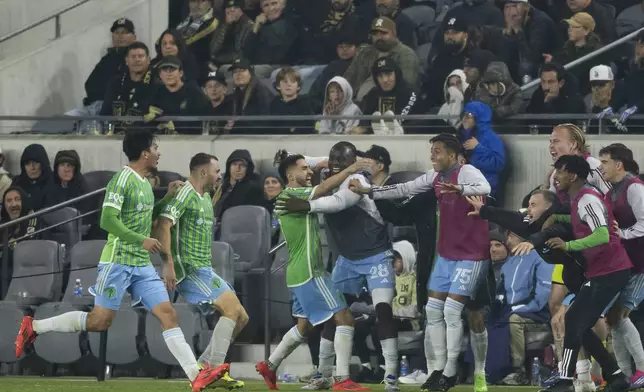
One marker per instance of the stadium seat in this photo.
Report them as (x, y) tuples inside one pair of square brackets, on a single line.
[(98, 179), (69, 233), (247, 229), (10, 316), (280, 307), (423, 16), (223, 259), (190, 322), (403, 176), (123, 336), (166, 177)]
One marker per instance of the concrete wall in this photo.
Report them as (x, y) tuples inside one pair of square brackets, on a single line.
[(529, 155), (50, 80), (19, 13)]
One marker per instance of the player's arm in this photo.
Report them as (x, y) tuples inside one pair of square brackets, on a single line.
[(111, 212), (333, 182), (405, 189), (341, 200), (593, 212), (473, 182), (160, 206), (168, 218), (635, 198)]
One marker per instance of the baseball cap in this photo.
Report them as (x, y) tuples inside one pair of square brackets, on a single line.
[(241, 64), (379, 154), (384, 64), (234, 4), (383, 24), (216, 76), (582, 19), (123, 23), (170, 62), (456, 23), (601, 73)]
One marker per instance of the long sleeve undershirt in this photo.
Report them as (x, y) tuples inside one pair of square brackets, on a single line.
[(111, 223)]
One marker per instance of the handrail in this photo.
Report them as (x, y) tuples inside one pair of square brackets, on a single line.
[(55, 225), (589, 56), (56, 16)]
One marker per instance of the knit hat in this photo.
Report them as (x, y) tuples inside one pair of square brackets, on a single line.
[(498, 235), (274, 174)]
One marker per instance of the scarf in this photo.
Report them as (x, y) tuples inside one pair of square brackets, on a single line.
[(335, 18), (189, 26)]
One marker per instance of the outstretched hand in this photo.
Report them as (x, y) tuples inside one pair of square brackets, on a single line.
[(477, 203), (556, 243), (356, 187), (446, 187)]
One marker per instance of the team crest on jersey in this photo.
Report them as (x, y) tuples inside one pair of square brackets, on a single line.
[(215, 283)]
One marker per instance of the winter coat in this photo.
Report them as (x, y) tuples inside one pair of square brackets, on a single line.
[(454, 98), (347, 108), (110, 65), (404, 303), (228, 40), (509, 101), (37, 190), (75, 188), (527, 282)]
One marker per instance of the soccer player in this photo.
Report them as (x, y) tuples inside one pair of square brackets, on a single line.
[(463, 255), (185, 233), (128, 211), (626, 199), (607, 271), (315, 298)]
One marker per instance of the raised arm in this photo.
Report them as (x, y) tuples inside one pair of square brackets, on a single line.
[(341, 200), (405, 189), (333, 182)]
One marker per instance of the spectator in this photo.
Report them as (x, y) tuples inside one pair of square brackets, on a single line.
[(171, 43), (581, 41), (240, 186), (404, 303), (130, 94), (69, 182), (216, 88), (197, 30), (381, 163), (602, 86), (340, 21), (36, 177), (338, 102), (528, 32), (405, 26), (153, 178), (605, 21), (176, 98), (391, 97), (5, 177), (384, 43), (630, 19), (289, 102), (250, 97), (483, 148), (346, 48), (476, 64), (499, 92), (454, 91), (228, 40), (273, 186), (556, 94)]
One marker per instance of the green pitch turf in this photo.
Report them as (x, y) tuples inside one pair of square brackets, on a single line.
[(29, 384)]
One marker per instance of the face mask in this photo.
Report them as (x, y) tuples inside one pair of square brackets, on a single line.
[(384, 46)]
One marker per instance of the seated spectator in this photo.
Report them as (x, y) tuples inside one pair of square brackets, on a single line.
[(602, 88), (392, 96), (476, 63), (605, 29), (404, 303), (499, 92), (171, 43), (581, 41), (289, 102), (630, 20), (130, 94), (483, 148), (454, 91), (526, 282), (557, 93), (176, 98), (5, 176), (384, 43), (340, 21), (197, 31), (69, 182), (228, 40), (338, 102), (216, 88), (273, 186), (250, 97), (240, 186), (405, 26), (35, 178), (381, 161)]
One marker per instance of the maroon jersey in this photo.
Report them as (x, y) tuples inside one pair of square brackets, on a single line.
[(626, 218)]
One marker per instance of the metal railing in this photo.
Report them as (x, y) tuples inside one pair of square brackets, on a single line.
[(56, 16)]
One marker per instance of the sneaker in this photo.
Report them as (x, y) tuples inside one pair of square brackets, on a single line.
[(637, 381), (445, 383), (561, 385), (349, 385), (518, 378), (269, 375), (618, 383), (208, 376), (26, 335), (432, 381), (318, 383), (554, 377), (228, 382), (391, 383), (413, 378), (584, 386), (306, 378), (480, 385)]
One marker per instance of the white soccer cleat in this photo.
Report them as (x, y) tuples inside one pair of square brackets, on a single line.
[(584, 386)]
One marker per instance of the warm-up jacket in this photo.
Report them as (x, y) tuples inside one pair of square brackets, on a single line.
[(527, 282)]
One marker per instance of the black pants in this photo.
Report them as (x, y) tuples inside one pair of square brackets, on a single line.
[(595, 295)]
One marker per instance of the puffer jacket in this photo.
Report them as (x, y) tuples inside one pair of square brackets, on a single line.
[(509, 100)]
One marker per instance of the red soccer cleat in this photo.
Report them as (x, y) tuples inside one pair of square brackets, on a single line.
[(269, 376), (348, 385), (26, 335), (207, 376)]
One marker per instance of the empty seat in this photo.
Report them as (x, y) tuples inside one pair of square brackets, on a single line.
[(223, 259), (37, 257), (403, 176), (10, 316), (190, 322), (166, 177), (98, 179), (123, 336), (247, 229), (68, 233), (280, 306)]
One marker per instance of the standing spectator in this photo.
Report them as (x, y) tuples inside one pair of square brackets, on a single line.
[(290, 103), (454, 89), (499, 92), (338, 101), (556, 94), (340, 21), (602, 15), (197, 30), (171, 43), (69, 182), (36, 177), (215, 88), (631, 19), (405, 26), (384, 43), (228, 40), (484, 149), (250, 97)]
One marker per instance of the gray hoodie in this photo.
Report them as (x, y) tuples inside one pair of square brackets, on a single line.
[(347, 108), (509, 100)]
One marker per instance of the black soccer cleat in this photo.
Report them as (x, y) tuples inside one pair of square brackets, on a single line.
[(619, 383), (432, 381), (445, 383)]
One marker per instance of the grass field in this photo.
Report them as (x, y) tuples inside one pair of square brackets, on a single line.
[(30, 384)]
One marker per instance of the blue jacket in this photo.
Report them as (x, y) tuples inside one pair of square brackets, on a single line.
[(489, 154), (527, 282)]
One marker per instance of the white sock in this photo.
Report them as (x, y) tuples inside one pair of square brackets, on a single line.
[(429, 352), (453, 311), (390, 353), (583, 370), (181, 350), (478, 342), (291, 340), (222, 335), (66, 322), (633, 342), (343, 344), (327, 355), (622, 355), (436, 331)]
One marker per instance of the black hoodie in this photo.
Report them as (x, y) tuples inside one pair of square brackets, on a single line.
[(248, 191), (75, 188), (37, 189)]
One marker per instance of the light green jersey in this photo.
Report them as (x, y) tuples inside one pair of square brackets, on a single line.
[(132, 196), (192, 216), (302, 235)]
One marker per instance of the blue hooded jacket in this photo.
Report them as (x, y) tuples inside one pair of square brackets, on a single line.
[(527, 282), (489, 154)]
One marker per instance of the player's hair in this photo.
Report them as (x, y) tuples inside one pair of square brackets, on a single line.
[(574, 164), (137, 45), (450, 141), (344, 145), (286, 164), (619, 152), (137, 141), (576, 134), (201, 159), (549, 196)]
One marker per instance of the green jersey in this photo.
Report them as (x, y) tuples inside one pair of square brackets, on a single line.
[(132, 196), (192, 218), (302, 235)]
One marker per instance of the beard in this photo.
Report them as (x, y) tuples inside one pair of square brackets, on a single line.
[(384, 45), (453, 47)]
